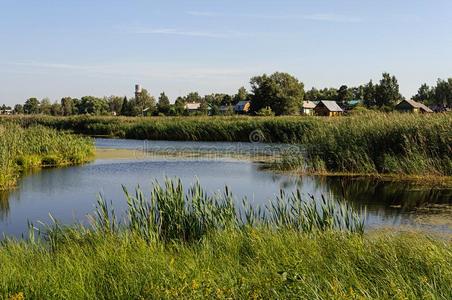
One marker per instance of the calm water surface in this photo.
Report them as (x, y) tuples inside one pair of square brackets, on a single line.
[(69, 194)]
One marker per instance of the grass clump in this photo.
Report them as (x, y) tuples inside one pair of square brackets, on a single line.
[(38, 146)]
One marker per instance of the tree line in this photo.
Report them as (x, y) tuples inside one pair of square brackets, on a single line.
[(275, 94)]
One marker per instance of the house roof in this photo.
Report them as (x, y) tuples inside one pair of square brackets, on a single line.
[(330, 105), (308, 104), (192, 106), (418, 105)]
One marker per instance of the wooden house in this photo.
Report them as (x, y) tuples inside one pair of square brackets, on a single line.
[(307, 108), (328, 108), (412, 107)]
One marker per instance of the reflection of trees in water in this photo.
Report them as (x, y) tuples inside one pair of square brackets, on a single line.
[(4, 204), (373, 192)]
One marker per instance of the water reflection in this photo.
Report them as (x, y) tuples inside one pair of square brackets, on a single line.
[(69, 193)]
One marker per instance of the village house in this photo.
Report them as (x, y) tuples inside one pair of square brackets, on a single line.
[(242, 107), (413, 107), (328, 109), (193, 107), (307, 108)]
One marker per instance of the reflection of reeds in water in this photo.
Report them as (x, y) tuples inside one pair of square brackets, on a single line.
[(407, 196), (4, 204)]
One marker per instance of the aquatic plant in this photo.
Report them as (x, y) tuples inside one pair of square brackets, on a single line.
[(38, 146)]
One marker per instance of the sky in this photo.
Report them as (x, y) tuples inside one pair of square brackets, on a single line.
[(74, 48)]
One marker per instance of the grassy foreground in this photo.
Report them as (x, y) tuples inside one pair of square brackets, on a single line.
[(35, 147), (251, 264), (372, 143), (178, 244)]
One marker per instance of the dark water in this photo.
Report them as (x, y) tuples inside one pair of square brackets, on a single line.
[(69, 194)]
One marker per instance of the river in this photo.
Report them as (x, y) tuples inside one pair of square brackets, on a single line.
[(69, 194)]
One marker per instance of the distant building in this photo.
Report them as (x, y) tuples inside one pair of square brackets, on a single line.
[(193, 107), (328, 108), (6, 111), (226, 109), (413, 107), (308, 108), (242, 107), (438, 108), (351, 104)]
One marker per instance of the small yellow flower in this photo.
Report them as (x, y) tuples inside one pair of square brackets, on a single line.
[(18, 296), (194, 285)]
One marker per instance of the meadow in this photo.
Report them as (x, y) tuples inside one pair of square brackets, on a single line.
[(368, 143), (22, 149), (177, 244)]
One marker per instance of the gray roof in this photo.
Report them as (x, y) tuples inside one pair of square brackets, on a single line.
[(331, 105), (418, 105)]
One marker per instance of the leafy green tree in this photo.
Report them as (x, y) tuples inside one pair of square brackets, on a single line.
[(31, 106), (424, 94), (281, 92), (143, 105), (343, 95), (163, 104), (369, 95), (242, 95), (93, 106), (125, 109), (18, 109), (115, 104), (68, 106), (312, 95), (56, 109), (45, 106), (387, 92), (443, 92)]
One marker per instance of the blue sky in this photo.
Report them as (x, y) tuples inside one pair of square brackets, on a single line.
[(74, 48)]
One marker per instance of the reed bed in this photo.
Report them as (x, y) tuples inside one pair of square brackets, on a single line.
[(35, 147), (370, 143)]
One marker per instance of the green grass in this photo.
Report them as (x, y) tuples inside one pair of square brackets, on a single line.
[(176, 244), (371, 143), (35, 147), (256, 264)]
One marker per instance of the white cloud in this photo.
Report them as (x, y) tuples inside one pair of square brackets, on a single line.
[(189, 33), (321, 17)]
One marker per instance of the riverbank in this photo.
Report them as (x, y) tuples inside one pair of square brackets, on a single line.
[(193, 245), (38, 147), (371, 144)]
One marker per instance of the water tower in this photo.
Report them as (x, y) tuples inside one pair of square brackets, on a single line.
[(137, 90)]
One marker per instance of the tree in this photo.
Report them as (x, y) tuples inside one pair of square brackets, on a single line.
[(369, 95), (179, 106), (31, 106), (163, 104), (68, 106), (18, 109), (115, 104), (443, 92), (143, 104), (126, 109), (92, 105), (281, 92), (45, 107), (56, 109), (343, 95), (424, 94), (387, 92), (242, 95)]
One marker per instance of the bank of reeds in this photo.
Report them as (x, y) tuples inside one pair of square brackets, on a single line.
[(38, 146), (371, 143)]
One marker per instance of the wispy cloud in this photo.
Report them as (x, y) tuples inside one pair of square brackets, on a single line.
[(145, 70), (321, 17), (188, 33)]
